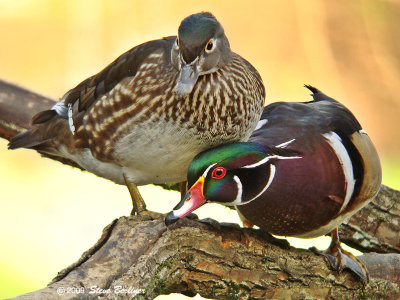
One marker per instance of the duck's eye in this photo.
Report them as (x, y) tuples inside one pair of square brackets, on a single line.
[(210, 46), (218, 173)]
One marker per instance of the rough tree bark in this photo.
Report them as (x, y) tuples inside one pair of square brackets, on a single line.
[(225, 263), (148, 259)]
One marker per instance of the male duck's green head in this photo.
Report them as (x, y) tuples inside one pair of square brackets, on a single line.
[(232, 174)]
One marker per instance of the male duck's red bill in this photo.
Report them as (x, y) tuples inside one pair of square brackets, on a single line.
[(193, 199)]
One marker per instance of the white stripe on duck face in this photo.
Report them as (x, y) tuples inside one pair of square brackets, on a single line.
[(272, 170), (208, 170), (239, 186), (343, 156), (239, 201), (266, 159), (285, 144)]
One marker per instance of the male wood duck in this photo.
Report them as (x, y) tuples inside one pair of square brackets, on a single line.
[(306, 169), (145, 116)]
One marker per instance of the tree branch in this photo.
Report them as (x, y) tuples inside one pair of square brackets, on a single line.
[(189, 257), (17, 106), (376, 227), (148, 259)]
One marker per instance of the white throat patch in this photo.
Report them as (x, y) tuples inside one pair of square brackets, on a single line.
[(272, 172), (239, 185)]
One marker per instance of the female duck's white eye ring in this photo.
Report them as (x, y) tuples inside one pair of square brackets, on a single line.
[(210, 45)]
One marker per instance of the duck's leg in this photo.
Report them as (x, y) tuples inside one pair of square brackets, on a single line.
[(340, 259), (139, 206)]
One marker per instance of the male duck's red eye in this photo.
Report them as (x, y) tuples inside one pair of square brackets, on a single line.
[(218, 173)]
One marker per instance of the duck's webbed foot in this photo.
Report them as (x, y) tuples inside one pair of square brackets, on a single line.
[(340, 259)]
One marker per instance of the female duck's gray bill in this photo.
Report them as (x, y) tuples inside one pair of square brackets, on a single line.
[(193, 199), (186, 80)]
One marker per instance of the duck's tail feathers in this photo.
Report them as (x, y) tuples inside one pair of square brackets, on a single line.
[(317, 94), (32, 139)]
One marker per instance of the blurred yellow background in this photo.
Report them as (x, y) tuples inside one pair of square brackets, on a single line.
[(50, 213)]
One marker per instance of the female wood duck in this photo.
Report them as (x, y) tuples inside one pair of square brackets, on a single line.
[(145, 116), (307, 168)]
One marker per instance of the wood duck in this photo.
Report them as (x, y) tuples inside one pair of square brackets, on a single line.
[(145, 116), (307, 168)]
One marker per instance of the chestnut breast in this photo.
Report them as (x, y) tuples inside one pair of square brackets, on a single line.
[(305, 193)]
